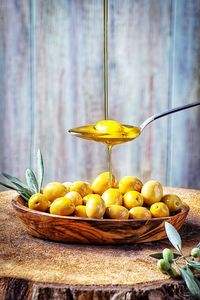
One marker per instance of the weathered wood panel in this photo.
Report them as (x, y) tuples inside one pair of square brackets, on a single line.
[(139, 71), (185, 137), (15, 86), (51, 71), (68, 85)]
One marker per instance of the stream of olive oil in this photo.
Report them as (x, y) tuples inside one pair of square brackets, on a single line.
[(111, 137), (105, 4)]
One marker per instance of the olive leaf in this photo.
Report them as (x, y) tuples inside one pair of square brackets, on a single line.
[(40, 169), (7, 186), (31, 180), (173, 236), (198, 246), (194, 264), (20, 191), (159, 255), (191, 283), (17, 182)]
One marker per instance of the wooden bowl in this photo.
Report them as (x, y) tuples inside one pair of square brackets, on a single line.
[(94, 231)]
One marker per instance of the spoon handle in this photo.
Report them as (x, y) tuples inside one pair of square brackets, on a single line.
[(170, 111)]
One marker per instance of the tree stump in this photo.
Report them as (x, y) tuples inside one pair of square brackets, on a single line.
[(32, 268)]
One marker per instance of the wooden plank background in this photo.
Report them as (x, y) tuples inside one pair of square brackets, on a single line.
[(51, 79)]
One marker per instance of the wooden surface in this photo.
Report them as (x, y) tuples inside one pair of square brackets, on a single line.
[(51, 79), (94, 231), (32, 268)]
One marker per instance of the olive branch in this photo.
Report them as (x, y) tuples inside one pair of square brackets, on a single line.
[(33, 183), (169, 262)]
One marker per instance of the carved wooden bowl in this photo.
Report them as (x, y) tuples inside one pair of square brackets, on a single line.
[(94, 231)]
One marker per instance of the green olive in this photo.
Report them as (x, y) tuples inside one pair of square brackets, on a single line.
[(163, 265), (173, 202), (168, 255), (117, 212), (152, 192), (172, 272), (195, 252), (95, 206)]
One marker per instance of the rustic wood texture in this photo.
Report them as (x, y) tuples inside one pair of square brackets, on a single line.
[(15, 87), (92, 231), (32, 268), (185, 140), (51, 71)]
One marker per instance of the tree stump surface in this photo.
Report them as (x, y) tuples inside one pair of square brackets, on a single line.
[(32, 268)]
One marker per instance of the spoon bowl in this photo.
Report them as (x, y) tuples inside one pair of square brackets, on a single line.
[(128, 133), (89, 132)]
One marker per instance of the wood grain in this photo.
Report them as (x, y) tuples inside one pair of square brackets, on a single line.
[(185, 140), (93, 231), (69, 88), (15, 86), (139, 61), (51, 71), (39, 269)]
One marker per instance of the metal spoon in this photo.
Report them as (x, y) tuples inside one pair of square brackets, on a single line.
[(170, 111), (90, 133)]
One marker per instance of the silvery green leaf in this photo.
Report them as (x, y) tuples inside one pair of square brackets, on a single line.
[(198, 246), (10, 177), (40, 169), (159, 255), (32, 181), (21, 192), (8, 186), (191, 283), (194, 264), (24, 190), (15, 181), (173, 236)]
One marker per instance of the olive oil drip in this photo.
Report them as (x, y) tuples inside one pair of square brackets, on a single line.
[(105, 4), (105, 59)]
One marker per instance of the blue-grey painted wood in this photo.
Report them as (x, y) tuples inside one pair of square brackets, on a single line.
[(51, 71), (15, 86), (139, 72), (69, 91), (184, 163)]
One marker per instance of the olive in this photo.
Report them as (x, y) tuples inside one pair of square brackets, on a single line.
[(80, 211), (112, 196), (173, 202), (172, 272), (117, 212), (168, 255), (67, 184), (54, 190), (95, 206), (102, 182), (132, 199), (152, 192), (38, 202), (86, 198), (140, 212), (62, 206), (163, 265), (129, 183), (75, 197), (195, 252), (109, 127), (159, 210), (83, 188)]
